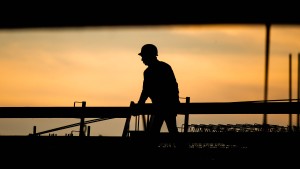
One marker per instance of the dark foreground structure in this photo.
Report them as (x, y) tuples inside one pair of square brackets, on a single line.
[(205, 144), (207, 148), (215, 147)]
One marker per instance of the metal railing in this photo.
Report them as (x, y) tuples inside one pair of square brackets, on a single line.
[(103, 113)]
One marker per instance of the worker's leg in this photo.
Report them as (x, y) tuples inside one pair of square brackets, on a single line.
[(174, 133), (154, 127)]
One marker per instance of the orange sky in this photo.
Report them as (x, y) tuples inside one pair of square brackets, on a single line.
[(100, 65)]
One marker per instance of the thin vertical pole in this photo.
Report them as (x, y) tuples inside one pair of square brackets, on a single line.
[(89, 131), (135, 123), (127, 123), (138, 125), (290, 89), (186, 116), (144, 122), (268, 25), (298, 95), (34, 130), (81, 131)]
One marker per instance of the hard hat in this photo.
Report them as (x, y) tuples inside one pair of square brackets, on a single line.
[(149, 49)]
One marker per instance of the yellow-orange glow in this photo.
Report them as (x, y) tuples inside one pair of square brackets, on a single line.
[(212, 63)]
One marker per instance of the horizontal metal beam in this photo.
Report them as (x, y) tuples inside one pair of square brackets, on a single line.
[(124, 112), (64, 112), (244, 108)]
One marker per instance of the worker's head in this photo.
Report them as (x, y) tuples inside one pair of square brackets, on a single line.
[(148, 53), (148, 50)]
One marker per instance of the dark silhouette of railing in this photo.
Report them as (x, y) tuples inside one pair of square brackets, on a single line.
[(205, 142), (71, 125), (105, 113), (237, 128)]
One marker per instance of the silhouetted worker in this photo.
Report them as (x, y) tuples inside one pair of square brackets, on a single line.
[(161, 87)]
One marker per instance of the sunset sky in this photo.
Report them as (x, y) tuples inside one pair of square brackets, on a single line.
[(101, 65)]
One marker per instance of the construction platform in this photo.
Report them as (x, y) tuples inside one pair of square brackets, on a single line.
[(199, 147), (200, 144)]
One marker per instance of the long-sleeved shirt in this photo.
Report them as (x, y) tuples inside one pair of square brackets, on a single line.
[(160, 85)]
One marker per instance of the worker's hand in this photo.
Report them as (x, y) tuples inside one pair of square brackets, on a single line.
[(134, 108)]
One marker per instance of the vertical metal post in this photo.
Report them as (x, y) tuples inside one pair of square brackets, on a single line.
[(268, 25), (186, 117), (290, 89), (135, 123), (89, 131), (81, 131), (34, 130), (298, 95), (145, 122), (138, 125), (127, 122)]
